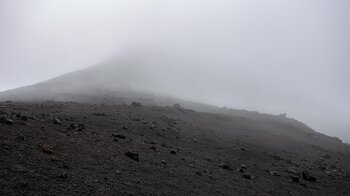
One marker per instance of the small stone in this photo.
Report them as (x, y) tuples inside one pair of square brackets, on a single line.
[(119, 136), (247, 176), (164, 145), (65, 166), (24, 118), (274, 173), (9, 122), (302, 184), (57, 121), (46, 149), (225, 166), (173, 152), (308, 177), (81, 127), (20, 168), (23, 185), (6, 121), (63, 176), (153, 148), (294, 179), (199, 173), (117, 172), (99, 114), (132, 155), (71, 126), (136, 104), (322, 168), (292, 170)]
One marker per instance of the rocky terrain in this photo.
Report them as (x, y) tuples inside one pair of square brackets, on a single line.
[(68, 148)]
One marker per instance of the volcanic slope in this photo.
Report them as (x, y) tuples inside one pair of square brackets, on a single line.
[(67, 148)]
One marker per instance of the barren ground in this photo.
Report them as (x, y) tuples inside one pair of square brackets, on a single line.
[(55, 148)]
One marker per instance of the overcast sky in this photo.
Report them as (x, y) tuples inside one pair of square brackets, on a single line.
[(273, 56)]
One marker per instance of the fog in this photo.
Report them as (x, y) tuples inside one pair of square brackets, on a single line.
[(272, 56)]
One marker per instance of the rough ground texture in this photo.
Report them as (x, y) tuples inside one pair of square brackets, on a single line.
[(54, 148)]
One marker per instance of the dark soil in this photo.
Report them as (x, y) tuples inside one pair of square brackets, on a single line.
[(53, 148)]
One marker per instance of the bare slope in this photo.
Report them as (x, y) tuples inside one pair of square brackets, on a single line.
[(52, 148), (115, 84)]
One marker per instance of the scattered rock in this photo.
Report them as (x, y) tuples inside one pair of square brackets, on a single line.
[(31, 117), (71, 126), (132, 155), (274, 173), (65, 166), (322, 168), (164, 145), (47, 149), (81, 127), (6, 121), (135, 119), (159, 134), (99, 114), (23, 185), (276, 157), (117, 172), (225, 166), (136, 104), (120, 136), (24, 118), (247, 176), (153, 148), (164, 162), (242, 168), (3, 113), (63, 176), (20, 168), (308, 177), (302, 184), (57, 121), (292, 170), (294, 179)]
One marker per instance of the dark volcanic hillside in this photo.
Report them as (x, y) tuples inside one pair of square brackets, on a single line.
[(77, 134), (54, 148), (111, 83)]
